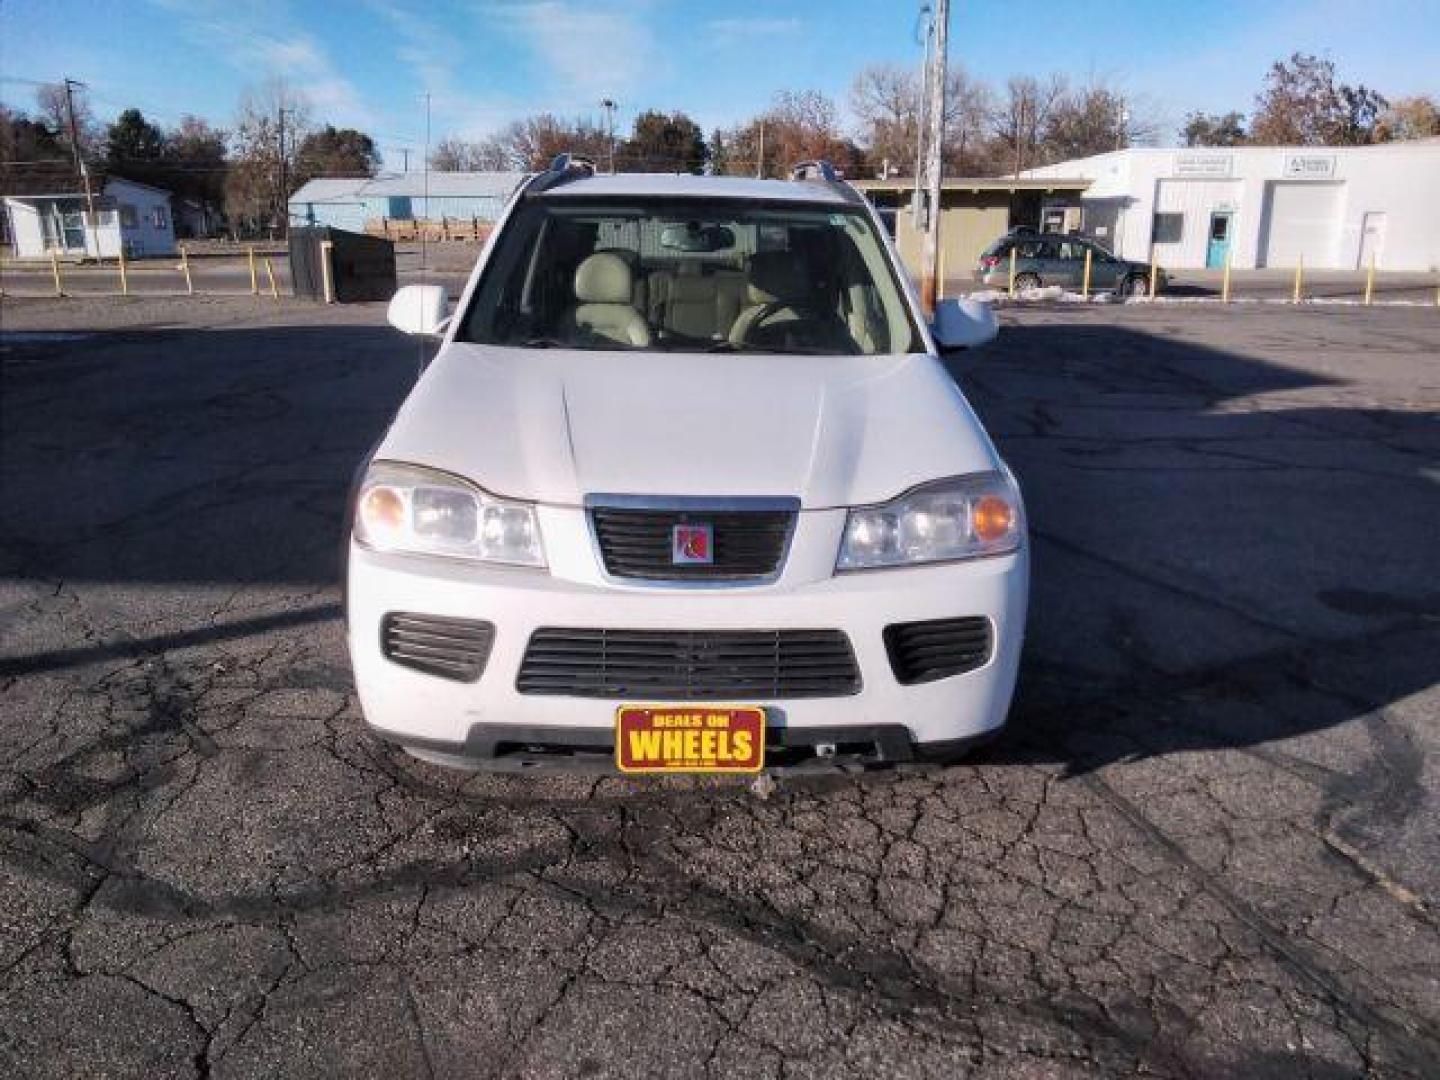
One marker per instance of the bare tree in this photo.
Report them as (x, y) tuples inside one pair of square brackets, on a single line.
[(1303, 104), (532, 143), (1415, 117), (54, 113), (887, 99), (459, 155), (1202, 129), (1093, 119), (801, 125), (257, 186), (1023, 114)]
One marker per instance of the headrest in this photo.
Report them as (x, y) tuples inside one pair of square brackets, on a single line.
[(603, 278), (776, 276)]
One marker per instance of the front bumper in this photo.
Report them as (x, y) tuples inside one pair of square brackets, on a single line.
[(460, 722)]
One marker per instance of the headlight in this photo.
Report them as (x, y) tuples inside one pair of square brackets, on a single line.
[(409, 509), (962, 518)]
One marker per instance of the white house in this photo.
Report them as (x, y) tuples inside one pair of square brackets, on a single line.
[(126, 212), (1334, 207)]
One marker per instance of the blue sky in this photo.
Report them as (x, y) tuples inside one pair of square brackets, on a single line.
[(369, 62)]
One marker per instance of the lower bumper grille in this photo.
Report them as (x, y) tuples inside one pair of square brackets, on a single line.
[(691, 665), (922, 652), (450, 648)]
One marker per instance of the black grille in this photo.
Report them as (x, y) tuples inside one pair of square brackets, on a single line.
[(637, 543), (689, 665), (451, 648), (924, 651)]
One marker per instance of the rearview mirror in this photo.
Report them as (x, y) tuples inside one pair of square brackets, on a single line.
[(695, 238), (963, 324), (419, 309)]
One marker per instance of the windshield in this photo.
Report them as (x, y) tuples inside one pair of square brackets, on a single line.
[(690, 275)]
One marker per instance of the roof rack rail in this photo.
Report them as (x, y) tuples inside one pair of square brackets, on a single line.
[(563, 168), (822, 172), (819, 169)]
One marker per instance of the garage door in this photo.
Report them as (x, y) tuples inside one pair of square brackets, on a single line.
[(1302, 221)]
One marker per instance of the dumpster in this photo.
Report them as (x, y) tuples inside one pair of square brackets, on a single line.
[(363, 267)]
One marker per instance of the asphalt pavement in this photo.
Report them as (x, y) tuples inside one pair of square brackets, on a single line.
[(1209, 844)]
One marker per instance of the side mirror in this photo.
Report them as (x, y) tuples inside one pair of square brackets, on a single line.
[(419, 309), (963, 324)]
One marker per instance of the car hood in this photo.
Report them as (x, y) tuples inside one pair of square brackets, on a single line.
[(556, 425)]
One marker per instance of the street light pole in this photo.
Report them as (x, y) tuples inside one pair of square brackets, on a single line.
[(609, 106), (935, 115), (920, 120)]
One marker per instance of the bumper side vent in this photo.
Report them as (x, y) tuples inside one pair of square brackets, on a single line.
[(450, 648), (922, 652)]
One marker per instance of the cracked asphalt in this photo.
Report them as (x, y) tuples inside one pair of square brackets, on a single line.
[(1207, 846)]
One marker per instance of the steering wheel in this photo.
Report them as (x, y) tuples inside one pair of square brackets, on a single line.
[(806, 320)]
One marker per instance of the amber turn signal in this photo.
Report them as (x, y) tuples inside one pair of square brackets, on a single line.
[(992, 518), (383, 509)]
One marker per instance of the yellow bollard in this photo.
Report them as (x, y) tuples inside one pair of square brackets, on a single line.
[(270, 273), (55, 270), (1370, 281), (254, 281), (124, 282), (185, 265), (1225, 282), (1299, 277), (1154, 278), (1012, 271), (327, 273), (1085, 285)]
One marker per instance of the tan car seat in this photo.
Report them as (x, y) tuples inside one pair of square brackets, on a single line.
[(777, 281), (604, 303)]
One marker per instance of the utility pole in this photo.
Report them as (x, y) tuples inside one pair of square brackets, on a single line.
[(90, 220), (760, 160), (609, 106), (405, 154), (284, 207), (1020, 134), (930, 265)]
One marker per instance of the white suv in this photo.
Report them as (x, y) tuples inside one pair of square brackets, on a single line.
[(686, 488)]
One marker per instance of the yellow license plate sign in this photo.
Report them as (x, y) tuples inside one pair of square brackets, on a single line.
[(689, 738)]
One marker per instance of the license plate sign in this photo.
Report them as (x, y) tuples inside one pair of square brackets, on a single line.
[(689, 738)]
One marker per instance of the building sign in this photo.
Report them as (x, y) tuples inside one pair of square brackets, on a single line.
[(1203, 165), (1309, 166)]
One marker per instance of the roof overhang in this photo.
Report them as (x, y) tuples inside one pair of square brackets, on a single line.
[(44, 198), (977, 184)]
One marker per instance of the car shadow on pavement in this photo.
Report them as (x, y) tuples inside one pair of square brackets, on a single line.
[(213, 456), (1226, 551)]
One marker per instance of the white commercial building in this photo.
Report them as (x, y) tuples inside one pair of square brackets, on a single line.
[(1332, 207), (126, 212)]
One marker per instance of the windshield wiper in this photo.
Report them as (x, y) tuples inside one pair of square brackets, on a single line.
[(544, 343), (794, 350)]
